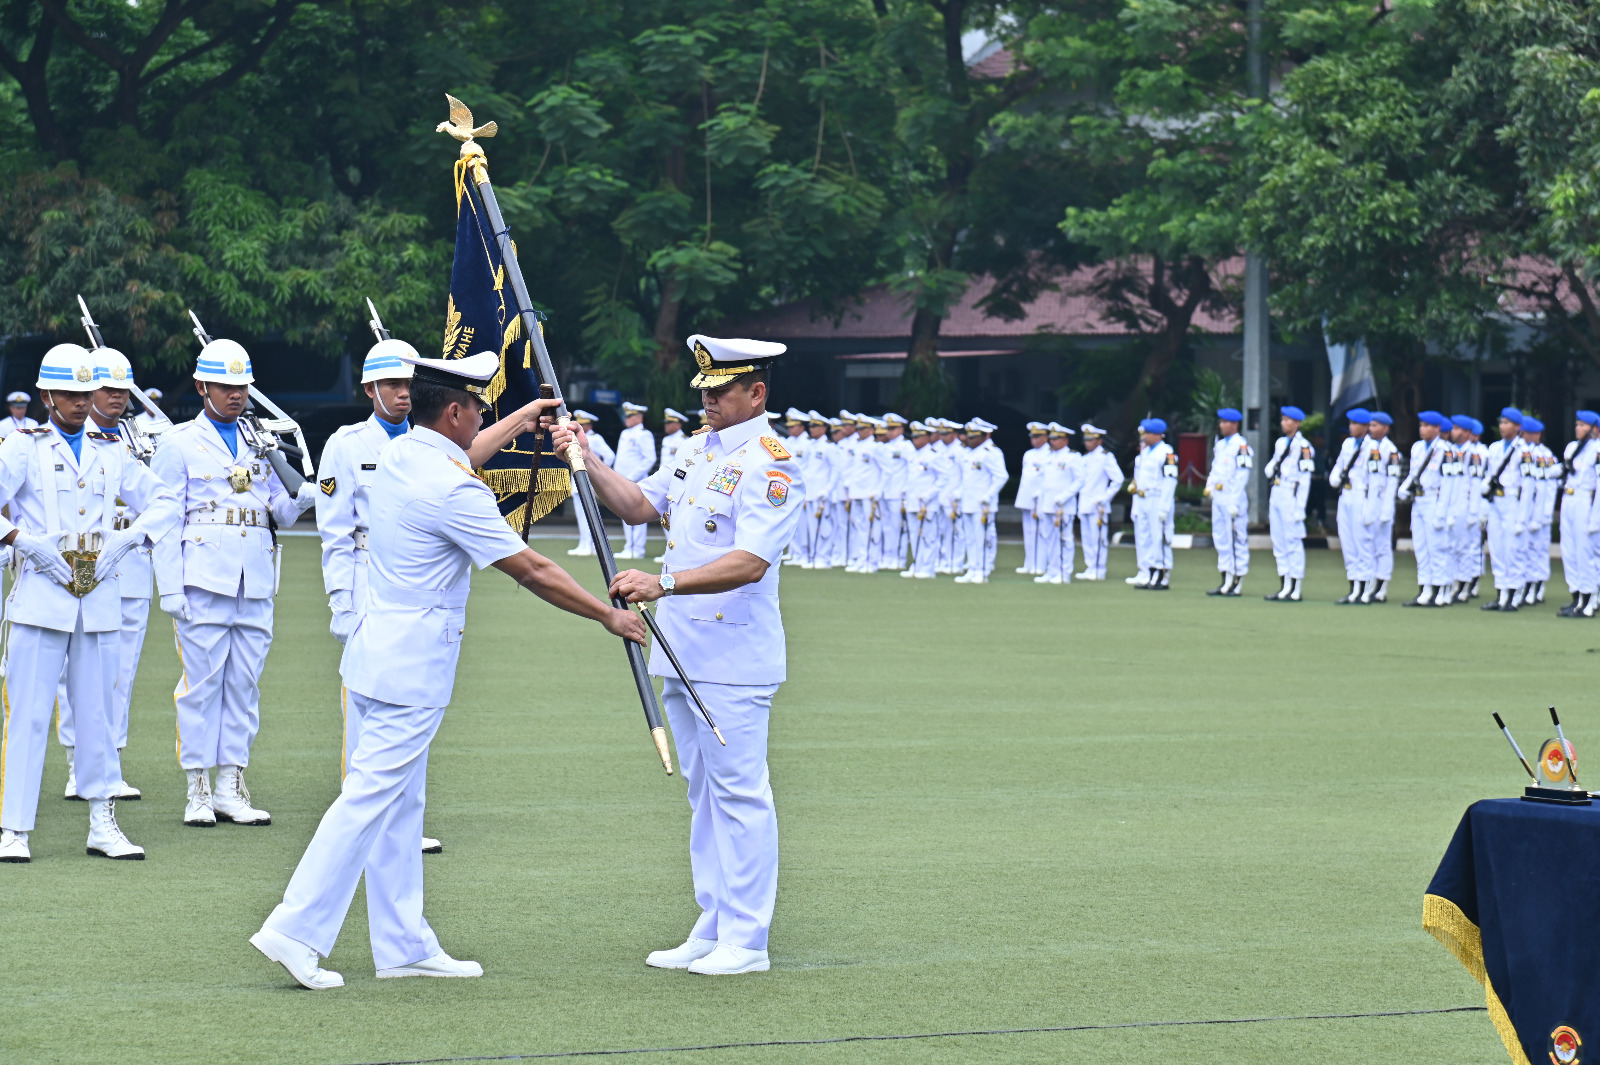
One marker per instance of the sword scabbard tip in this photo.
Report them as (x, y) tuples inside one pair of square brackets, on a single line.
[(659, 734), (718, 734)]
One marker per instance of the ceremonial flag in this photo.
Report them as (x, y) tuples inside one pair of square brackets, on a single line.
[(482, 315), (1351, 366)]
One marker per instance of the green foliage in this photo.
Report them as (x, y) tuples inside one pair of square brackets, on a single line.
[(1211, 393)]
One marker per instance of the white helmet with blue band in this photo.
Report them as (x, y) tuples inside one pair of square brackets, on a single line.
[(67, 368), (224, 362)]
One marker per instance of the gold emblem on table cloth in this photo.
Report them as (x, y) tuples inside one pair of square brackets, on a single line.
[(239, 477), (82, 559), (1566, 1047)]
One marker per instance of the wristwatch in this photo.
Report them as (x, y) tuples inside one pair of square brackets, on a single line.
[(668, 583)]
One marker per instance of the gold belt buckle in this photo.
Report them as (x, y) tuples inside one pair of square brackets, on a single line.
[(82, 559)]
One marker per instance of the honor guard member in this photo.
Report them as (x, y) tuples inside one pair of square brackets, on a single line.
[(1424, 489), (432, 519), (1027, 501), (1383, 481), (1228, 490), (672, 436), (1289, 471), (113, 376), (217, 577), (952, 545), (1478, 458), (1153, 489), (842, 431), (603, 453), (1578, 518), (1453, 502), (926, 473), (1538, 512), (60, 483), (147, 419), (1100, 478), (1502, 488), (982, 477), (17, 408), (798, 442), (728, 513), (1058, 506), (1343, 475), (863, 479), (893, 461), (821, 472), (636, 457)]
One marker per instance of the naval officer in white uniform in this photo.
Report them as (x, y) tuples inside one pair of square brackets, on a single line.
[(729, 509), (433, 519), (17, 415), (636, 457), (217, 579), (60, 483)]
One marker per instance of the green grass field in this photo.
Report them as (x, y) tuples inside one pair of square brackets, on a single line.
[(1002, 806)]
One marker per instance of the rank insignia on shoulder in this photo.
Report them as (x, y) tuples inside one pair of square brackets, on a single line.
[(777, 450), (328, 485), (104, 436), (37, 431), (702, 429)]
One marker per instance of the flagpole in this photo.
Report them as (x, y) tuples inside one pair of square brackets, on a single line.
[(582, 489)]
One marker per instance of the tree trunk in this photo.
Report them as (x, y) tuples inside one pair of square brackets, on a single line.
[(924, 392)]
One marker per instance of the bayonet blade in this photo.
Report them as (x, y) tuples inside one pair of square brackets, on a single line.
[(376, 323), (199, 330)]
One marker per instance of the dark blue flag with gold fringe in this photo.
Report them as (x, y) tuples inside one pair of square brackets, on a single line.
[(482, 315)]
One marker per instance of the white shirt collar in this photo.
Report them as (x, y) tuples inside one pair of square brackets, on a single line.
[(736, 436), (433, 438)]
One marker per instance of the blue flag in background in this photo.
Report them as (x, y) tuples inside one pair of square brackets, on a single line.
[(482, 316)]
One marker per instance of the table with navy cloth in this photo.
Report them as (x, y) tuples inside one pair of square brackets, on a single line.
[(1517, 901)]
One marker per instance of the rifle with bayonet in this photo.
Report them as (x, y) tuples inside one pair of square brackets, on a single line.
[(140, 437), (265, 435)]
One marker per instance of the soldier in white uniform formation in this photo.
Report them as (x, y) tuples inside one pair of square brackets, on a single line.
[(218, 578), (1059, 483), (1347, 474), (728, 512), (1154, 490), (1580, 522), (60, 483), (16, 415), (1227, 488), (603, 452), (432, 520), (1502, 488), (1027, 500), (636, 457), (1100, 478), (1424, 487), (1289, 470)]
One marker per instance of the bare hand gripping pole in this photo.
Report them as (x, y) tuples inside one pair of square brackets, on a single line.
[(462, 129)]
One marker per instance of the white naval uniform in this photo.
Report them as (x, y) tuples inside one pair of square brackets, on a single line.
[(344, 521), (1425, 488), (1578, 523), (432, 521), (839, 505), (1033, 461), (9, 425), (603, 452), (927, 472), (1058, 504), (1155, 487), (863, 478), (671, 444), (801, 448), (1507, 534), (1538, 511), (224, 563), (952, 551), (821, 469), (1231, 462), (982, 476), (50, 490), (1290, 469), (1471, 558), (1383, 481), (636, 457), (1100, 479), (889, 547), (735, 493), (1347, 475), (1455, 504)]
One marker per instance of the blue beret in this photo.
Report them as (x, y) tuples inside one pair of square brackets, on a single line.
[(1476, 427), (1532, 425), (1379, 418), (1294, 412), (1589, 417), (1511, 414), (1433, 417), (1462, 421), (1229, 414), (1358, 414), (1152, 425)]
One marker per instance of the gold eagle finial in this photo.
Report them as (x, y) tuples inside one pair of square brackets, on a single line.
[(460, 125)]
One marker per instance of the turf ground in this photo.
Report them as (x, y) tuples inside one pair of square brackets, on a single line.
[(1001, 807)]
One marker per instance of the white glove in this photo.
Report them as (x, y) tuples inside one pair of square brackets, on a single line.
[(1369, 517), (175, 606), (1334, 479), (306, 497), (41, 549), (345, 618), (1405, 497), (1162, 516), (1450, 522), (115, 549), (1517, 528), (1438, 524), (1233, 512)]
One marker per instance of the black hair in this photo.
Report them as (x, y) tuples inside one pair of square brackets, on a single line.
[(429, 400)]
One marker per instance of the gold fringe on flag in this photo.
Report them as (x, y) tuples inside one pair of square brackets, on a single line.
[(555, 486)]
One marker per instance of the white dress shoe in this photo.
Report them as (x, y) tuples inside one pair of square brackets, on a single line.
[(299, 959), (625, 555), (927, 576), (908, 573), (14, 846), (728, 960), (127, 792), (231, 802), (579, 552), (105, 837), (431, 846), (441, 964), (682, 956), (197, 813)]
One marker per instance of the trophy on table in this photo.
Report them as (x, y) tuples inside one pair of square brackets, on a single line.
[(1556, 780)]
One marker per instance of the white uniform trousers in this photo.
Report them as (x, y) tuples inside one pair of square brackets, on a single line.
[(1505, 546), (862, 529), (135, 618), (33, 669), (373, 827), (1152, 539), (1383, 549), (635, 538), (951, 551), (1095, 533), (978, 536), (1056, 547), (891, 533), (1353, 538), (1577, 547), (1231, 537), (733, 824), (838, 535), (1286, 518), (924, 536), (1536, 554), (1030, 547), (1432, 545), (221, 651)]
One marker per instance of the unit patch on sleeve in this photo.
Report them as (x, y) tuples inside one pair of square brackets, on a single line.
[(328, 485), (777, 492)]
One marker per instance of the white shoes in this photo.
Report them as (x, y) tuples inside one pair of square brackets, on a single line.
[(1087, 576), (14, 846), (682, 956), (198, 812), (431, 846), (580, 552), (299, 959), (908, 573), (1047, 580), (729, 960), (105, 837), (625, 555), (441, 964), (1138, 580), (125, 792), (659, 559), (231, 801)]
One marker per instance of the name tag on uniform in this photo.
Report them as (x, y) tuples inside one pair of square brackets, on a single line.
[(681, 474), (369, 465), (60, 466)]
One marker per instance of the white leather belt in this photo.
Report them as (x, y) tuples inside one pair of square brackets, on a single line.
[(360, 539), (227, 516), (417, 597)]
